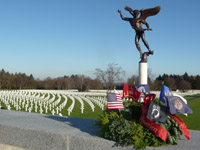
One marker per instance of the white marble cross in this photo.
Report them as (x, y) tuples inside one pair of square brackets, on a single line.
[(46, 109), (17, 107), (23, 104), (36, 108), (82, 108), (69, 111), (53, 112), (31, 104), (44, 104), (57, 110), (93, 109), (26, 107), (41, 110), (8, 107), (102, 107)]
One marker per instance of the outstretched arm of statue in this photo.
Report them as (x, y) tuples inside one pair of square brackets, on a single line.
[(123, 18), (147, 25)]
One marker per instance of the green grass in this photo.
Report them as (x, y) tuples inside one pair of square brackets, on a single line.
[(192, 121), (3, 106), (87, 112), (191, 96)]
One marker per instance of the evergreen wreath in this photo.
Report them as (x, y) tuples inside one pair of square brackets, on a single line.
[(125, 128)]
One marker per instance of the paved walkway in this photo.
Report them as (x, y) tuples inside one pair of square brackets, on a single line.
[(193, 98), (21, 130)]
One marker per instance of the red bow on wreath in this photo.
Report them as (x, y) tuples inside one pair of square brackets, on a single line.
[(155, 128)]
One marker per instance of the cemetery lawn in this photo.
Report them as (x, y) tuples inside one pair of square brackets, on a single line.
[(87, 114), (192, 121)]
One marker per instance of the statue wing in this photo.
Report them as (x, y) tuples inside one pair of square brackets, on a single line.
[(128, 9), (149, 12)]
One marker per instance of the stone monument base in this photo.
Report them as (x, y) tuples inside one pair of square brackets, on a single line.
[(30, 131), (143, 76)]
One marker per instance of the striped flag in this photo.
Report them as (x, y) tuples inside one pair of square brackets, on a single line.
[(114, 101)]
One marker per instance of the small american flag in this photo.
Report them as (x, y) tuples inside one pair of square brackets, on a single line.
[(114, 101)]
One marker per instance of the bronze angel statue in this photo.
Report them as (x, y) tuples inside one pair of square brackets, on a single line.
[(137, 23)]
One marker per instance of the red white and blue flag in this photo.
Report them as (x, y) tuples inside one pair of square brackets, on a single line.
[(114, 101)]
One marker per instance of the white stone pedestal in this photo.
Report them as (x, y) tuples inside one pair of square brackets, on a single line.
[(143, 76)]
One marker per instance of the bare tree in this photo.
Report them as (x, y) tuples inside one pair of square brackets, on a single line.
[(170, 82), (133, 80), (184, 85), (157, 85), (110, 76), (48, 83)]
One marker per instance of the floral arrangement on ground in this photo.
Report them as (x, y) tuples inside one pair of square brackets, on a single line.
[(125, 128)]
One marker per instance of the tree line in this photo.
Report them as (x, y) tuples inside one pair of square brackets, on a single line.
[(181, 82), (23, 81), (105, 79)]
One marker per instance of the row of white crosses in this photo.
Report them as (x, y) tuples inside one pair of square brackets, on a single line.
[(81, 101), (40, 100), (96, 102), (22, 99), (103, 100), (18, 99), (71, 107), (4, 100), (89, 102)]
